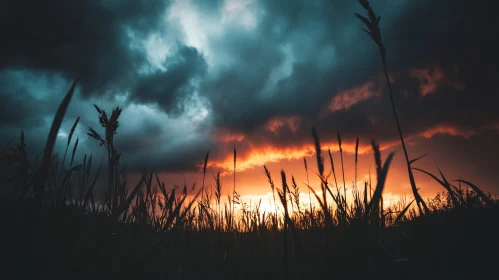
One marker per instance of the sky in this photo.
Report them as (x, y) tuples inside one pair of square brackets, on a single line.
[(198, 76)]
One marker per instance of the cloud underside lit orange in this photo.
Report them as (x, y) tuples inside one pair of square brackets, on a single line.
[(447, 129), (345, 99), (433, 78), (258, 155), (275, 124)]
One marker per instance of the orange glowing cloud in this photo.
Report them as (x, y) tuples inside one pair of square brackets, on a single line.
[(257, 155), (226, 136), (448, 129), (347, 98), (260, 155), (275, 124), (433, 78)]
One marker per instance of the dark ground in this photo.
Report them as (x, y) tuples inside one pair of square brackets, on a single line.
[(66, 244)]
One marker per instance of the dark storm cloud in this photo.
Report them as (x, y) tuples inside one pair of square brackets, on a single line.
[(15, 111), (168, 88), (327, 49), (45, 45), (421, 34), (451, 31), (87, 38), (181, 157), (25, 98)]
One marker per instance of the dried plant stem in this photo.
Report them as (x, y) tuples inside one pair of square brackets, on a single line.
[(419, 201), (373, 30)]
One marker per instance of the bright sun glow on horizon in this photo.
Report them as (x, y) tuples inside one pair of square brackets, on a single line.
[(264, 204)]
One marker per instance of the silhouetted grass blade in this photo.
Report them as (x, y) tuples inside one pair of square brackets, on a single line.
[(49, 145)]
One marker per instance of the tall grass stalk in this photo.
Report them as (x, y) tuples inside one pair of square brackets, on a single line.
[(234, 190), (309, 196), (320, 168), (356, 160), (49, 146), (272, 186), (374, 32), (342, 169), (69, 142), (115, 190), (282, 196)]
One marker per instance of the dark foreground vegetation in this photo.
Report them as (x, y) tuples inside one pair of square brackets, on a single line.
[(57, 224), (160, 232)]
